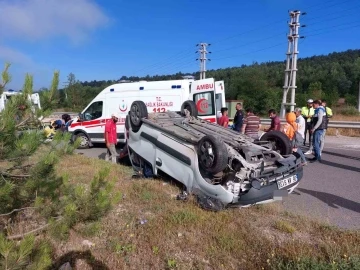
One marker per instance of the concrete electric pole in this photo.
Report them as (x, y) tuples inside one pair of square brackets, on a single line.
[(291, 62), (202, 58)]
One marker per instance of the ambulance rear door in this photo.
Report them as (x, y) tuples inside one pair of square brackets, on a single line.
[(203, 94)]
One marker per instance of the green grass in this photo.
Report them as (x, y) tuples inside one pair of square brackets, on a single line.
[(180, 235), (284, 226)]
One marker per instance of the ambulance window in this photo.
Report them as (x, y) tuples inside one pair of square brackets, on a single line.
[(94, 111), (218, 102), (205, 103)]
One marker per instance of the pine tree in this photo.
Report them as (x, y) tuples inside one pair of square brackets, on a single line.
[(35, 185)]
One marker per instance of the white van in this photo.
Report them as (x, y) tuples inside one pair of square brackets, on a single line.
[(6, 96), (159, 96)]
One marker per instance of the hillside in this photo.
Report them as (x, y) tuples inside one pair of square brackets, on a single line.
[(260, 85)]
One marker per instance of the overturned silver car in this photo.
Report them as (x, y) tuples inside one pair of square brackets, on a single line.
[(221, 167)]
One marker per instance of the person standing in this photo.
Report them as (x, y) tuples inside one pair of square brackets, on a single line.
[(290, 129), (318, 126), (275, 121), (111, 138), (224, 119), (301, 123), (329, 114), (307, 113), (238, 118), (251, 124)]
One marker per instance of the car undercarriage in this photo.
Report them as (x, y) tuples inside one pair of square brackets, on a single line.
[(252, 171)]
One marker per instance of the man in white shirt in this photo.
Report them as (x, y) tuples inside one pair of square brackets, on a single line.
[(300, 120)]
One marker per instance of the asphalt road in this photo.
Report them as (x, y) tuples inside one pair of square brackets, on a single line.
[(329, 191)]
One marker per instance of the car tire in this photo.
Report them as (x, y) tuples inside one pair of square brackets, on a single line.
[(217, 160), (138, 111), (190, 106), (281, 141), (85, 141)]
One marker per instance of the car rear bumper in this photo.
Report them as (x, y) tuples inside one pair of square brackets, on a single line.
[(269, 192)]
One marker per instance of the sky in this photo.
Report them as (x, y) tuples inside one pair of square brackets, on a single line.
[(106, 39)]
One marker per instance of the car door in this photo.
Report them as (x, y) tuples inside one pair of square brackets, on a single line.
[(175, 159), (94, 121)]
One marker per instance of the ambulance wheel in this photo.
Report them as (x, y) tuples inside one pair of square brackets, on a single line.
[(280, 142), (84, 140), (138, 110), (212, 154), (190, 106)]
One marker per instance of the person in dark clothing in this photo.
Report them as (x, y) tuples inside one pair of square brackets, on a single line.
[(67, 120), (275, 121), (238, 118), (318, 125)]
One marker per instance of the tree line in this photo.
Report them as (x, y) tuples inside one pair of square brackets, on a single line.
[(259, 85)]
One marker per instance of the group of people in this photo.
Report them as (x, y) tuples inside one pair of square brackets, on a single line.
[(58, 125), (308, 113), (312, 119), (247, 123)]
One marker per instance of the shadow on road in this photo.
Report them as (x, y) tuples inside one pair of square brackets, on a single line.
[(73, 256), (340, 155), (103, 146), (102, 155), (341, 166), (331, 200)]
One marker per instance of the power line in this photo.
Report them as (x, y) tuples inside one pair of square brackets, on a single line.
[(177, 64), (243, 45), (248, 31), (332, 26), (338, 3), (162, 62), (182, 66), (278, 21), (337, 12), (167, 63), (332, 31), (318, 4), (269, 47), (276, 45)]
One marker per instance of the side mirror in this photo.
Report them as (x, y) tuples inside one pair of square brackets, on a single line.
[(81, 117)]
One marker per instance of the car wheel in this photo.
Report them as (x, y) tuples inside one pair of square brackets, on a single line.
[(190, 106), (138, 110), (84, 140), (279, 140), (212, 154)]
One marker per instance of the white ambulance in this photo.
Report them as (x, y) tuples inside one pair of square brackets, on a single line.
[(159, 96)]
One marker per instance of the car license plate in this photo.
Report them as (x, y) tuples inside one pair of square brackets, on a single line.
[(286, 182)]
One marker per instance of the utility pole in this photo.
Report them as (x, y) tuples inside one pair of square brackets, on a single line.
[(202, 58), (291, 61)]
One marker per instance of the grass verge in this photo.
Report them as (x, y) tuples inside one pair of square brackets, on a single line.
[(148, 228)]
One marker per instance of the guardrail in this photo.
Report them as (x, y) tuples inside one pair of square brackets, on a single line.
[(332, 124), (264, 121)]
